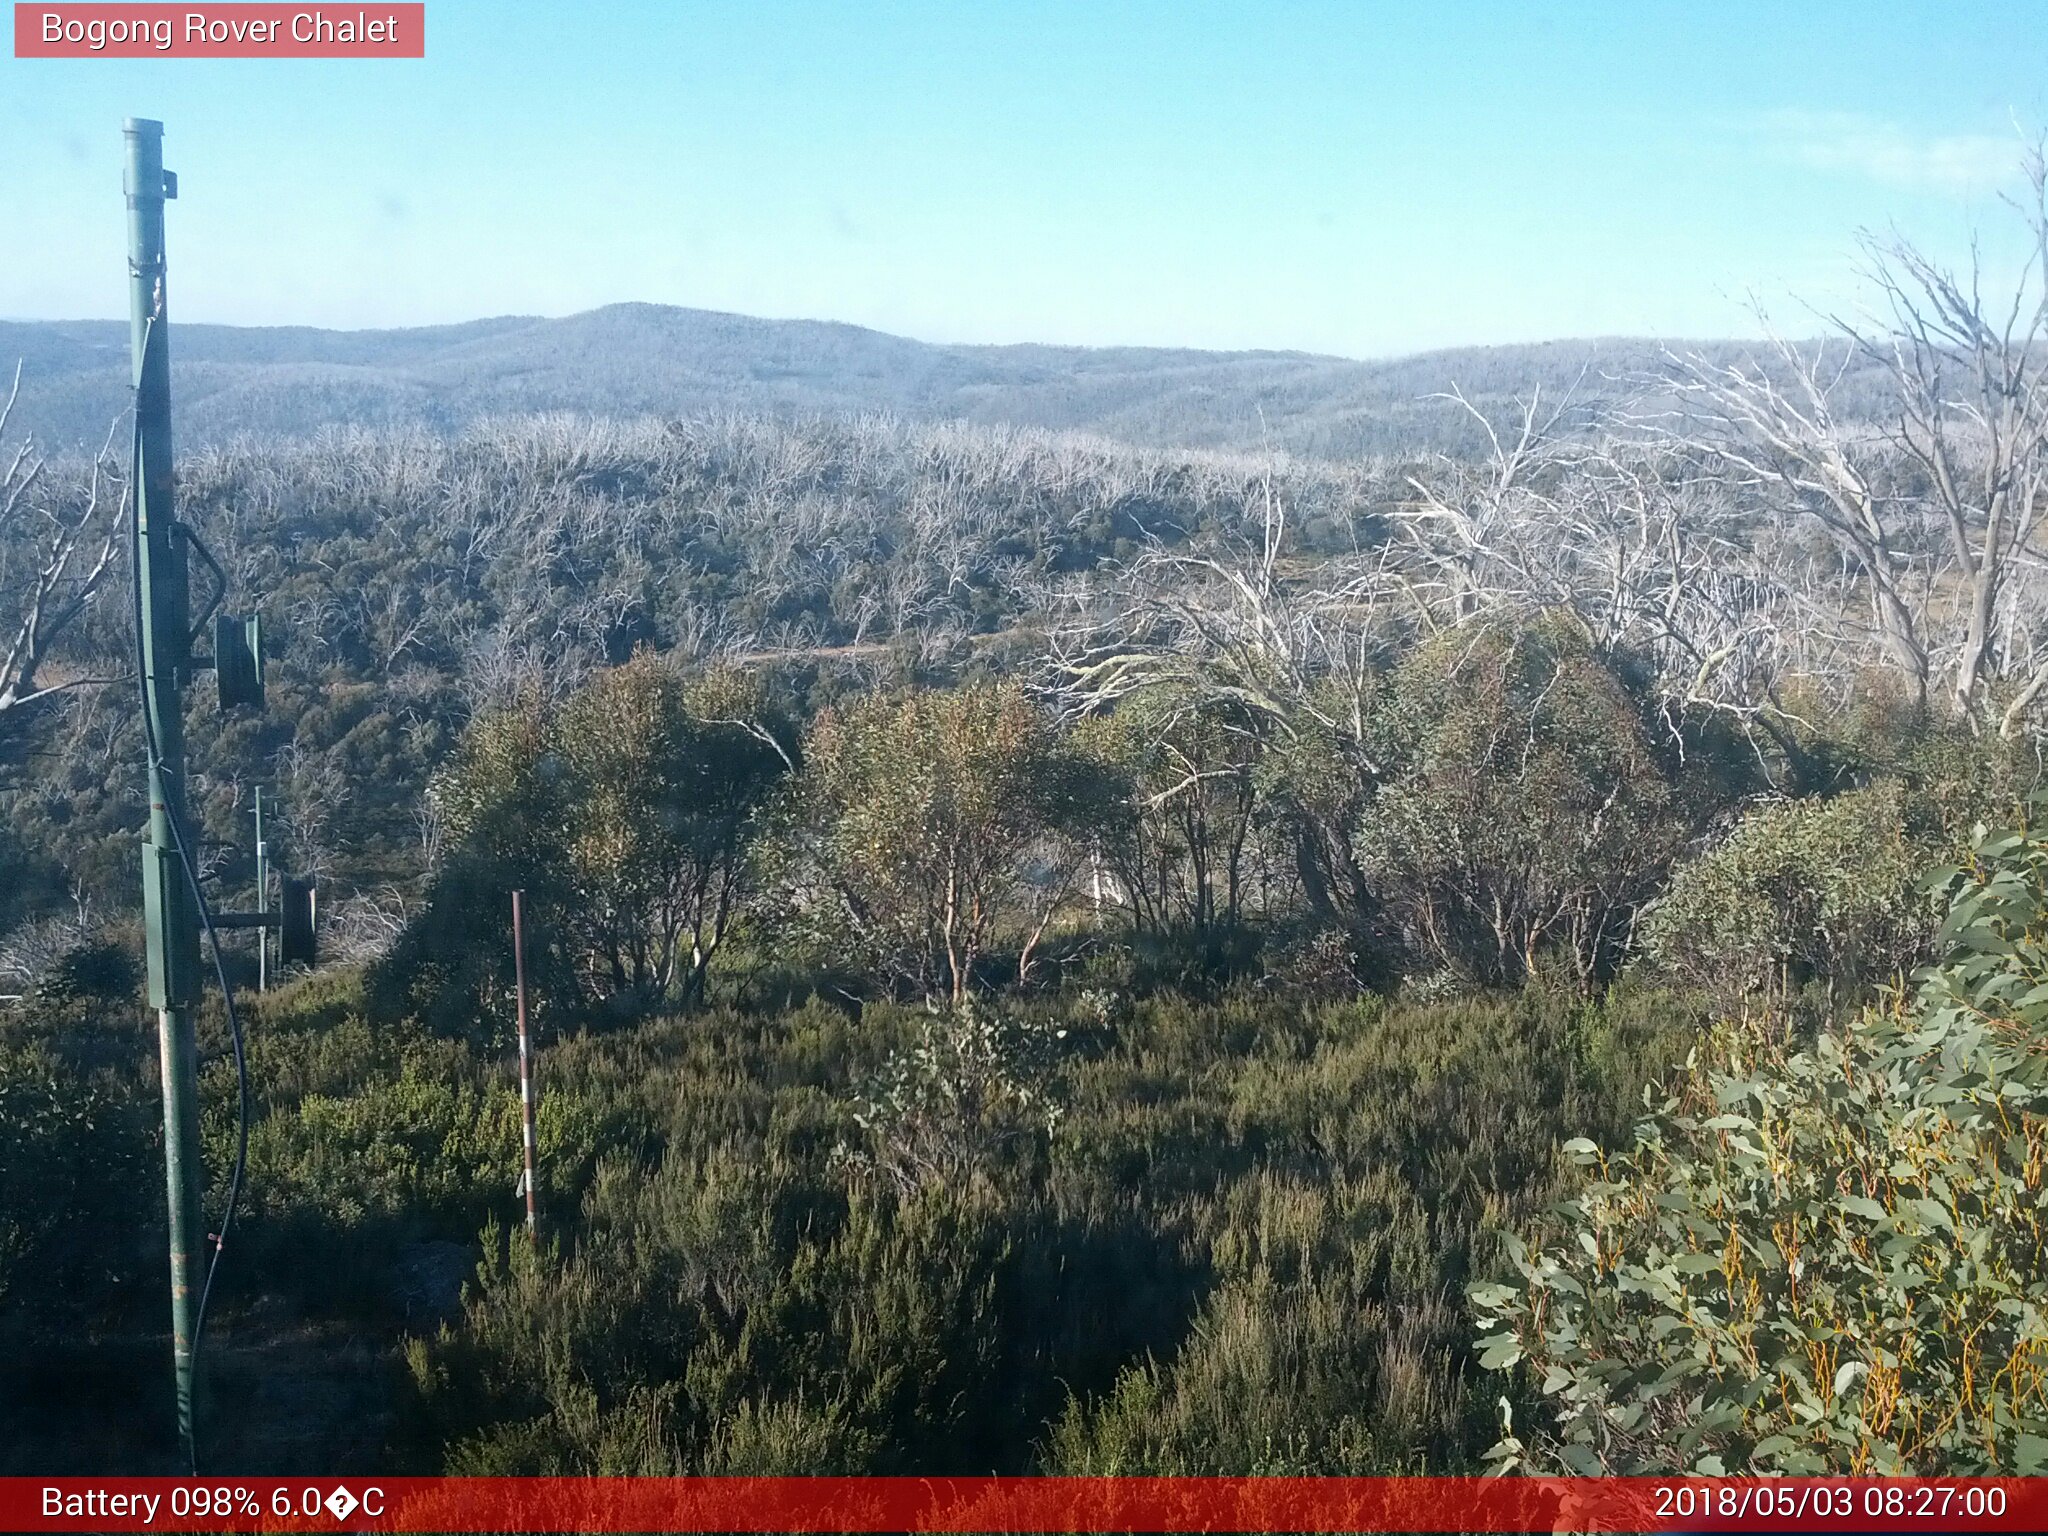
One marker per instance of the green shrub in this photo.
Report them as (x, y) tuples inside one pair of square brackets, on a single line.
[(1325, 1346), (1819, 1261), (625, 813), (925, 825), (1184, 844), (697, 1326), (972, 1095), (73, 1143), (1526, 806), (1803, 891)]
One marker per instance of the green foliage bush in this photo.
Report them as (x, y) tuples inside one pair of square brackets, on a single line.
[(1225, 1181), (1801, 891), (1526, 806), (1185, 843), (972, 1093), (927, 824), (625, 814), (73, 1145), (1817, 1261)]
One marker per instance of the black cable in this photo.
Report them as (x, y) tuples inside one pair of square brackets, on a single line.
[(178, 841)]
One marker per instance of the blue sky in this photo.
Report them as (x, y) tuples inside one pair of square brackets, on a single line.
[(1350, 177)]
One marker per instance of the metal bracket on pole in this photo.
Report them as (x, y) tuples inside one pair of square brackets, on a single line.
[(238, 660), (298, 929), (192, 541)]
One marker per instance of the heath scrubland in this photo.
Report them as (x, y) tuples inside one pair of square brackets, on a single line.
[(1056, 955)]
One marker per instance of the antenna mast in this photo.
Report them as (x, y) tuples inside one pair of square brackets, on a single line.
[(163, 601)]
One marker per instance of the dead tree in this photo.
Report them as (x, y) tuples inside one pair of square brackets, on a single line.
[(1467, 529), (1971, 388), (1291, 657), (58, 535), (1938, 504), (1774, 434)]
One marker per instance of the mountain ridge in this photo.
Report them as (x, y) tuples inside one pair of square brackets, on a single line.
[(640, 359)]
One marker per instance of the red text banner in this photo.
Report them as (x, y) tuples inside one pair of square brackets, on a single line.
[(999, 1504), (227, 31)]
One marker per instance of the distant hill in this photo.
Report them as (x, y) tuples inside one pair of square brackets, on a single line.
[(647, 359)]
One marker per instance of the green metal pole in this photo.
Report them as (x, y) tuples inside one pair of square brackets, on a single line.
[(163, 598)]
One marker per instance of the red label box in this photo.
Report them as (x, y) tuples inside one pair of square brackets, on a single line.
[(1069, 1505), (370, 30)]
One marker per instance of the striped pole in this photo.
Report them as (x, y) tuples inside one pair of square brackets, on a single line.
[(262, 899), (525, 1066)]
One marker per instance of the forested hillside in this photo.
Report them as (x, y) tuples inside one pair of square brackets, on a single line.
[(633, 360), (1056, 954)]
